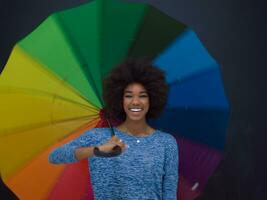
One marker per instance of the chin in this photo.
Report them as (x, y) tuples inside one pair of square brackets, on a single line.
[(136, 118)]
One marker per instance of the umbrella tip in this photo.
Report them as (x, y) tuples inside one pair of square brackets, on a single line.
[(195, 186)]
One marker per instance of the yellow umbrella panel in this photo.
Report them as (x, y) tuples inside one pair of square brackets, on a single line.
[(37, 110)]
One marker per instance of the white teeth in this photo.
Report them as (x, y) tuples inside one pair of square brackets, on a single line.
[(135, 109)]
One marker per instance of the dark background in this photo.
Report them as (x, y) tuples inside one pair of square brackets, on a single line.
[(235, 34)]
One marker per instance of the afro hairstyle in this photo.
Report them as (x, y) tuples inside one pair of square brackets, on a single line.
[(131, 71)]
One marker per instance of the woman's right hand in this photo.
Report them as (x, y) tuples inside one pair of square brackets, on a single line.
[(111, 143)]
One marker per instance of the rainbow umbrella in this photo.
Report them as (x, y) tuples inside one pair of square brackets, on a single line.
[(51, 88)]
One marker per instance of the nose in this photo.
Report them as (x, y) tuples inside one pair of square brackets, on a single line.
[(135, 101)]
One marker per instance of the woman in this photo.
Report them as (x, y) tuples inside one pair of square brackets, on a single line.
[(147, 167)]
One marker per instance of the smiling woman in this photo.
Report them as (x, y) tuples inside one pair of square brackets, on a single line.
[(147, 167)]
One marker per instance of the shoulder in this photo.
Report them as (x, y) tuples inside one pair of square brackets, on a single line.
[(167, 140), (166, 136), (97, 133)]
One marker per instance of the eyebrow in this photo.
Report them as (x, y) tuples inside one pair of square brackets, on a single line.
[(128, 91)]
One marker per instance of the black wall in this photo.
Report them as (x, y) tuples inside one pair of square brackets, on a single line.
[(235, 33)]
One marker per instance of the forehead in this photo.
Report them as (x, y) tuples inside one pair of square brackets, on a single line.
[(135, 88)]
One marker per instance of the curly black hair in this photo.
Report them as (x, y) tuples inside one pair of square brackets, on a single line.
[(135, 71)]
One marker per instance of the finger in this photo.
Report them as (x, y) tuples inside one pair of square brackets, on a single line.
[(123, 146), (113, 139), (120, 142)]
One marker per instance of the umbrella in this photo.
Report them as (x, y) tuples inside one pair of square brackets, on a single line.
[(50, 93), (5, 192)]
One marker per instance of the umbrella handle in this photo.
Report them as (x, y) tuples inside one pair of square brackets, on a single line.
[(116, 151)]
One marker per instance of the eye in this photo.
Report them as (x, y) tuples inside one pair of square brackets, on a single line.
[(144, 96), (127, 96)]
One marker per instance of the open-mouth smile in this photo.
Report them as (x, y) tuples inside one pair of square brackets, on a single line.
[(136, 109)]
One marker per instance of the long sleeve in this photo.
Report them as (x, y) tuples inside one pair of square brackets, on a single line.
[(170, 178), (66, 153)]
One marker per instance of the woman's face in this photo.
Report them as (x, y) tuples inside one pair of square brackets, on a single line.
[(135, 102)]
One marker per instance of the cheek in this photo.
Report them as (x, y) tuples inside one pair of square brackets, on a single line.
[(147, 104), (124, 107), (125, 104)]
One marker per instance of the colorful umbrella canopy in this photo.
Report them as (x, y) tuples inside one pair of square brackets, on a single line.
[(5, 192), (51, 88)]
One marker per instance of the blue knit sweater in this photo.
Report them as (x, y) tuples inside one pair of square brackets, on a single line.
[(147, 169)]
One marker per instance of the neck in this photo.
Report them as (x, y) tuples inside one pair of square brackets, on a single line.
[(135, 127)]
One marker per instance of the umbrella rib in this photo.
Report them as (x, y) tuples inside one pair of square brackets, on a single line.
[(79, 57), (54, 96), (192, 76), (62, 80), (19, 130)]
